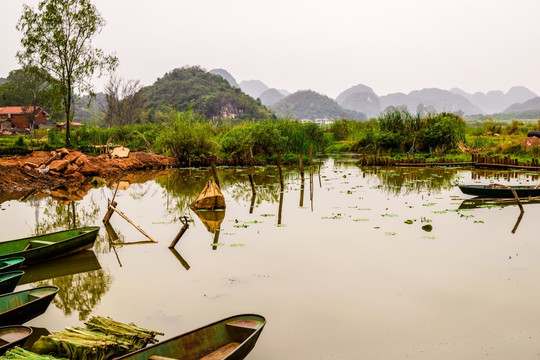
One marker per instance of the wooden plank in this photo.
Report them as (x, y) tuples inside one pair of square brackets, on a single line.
[(158, 357), (221, 352)]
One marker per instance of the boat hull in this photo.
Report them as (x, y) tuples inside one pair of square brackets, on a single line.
[(9, 280), (13, 335), (499, 192), (50, 246), (11, 264), (22, 306), (228, 339)]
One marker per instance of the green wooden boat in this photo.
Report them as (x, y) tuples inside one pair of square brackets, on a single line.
[(11, 264), (228, 339), (13, 335), (9, 280), (50, 246), (500, 191), (22, 306)]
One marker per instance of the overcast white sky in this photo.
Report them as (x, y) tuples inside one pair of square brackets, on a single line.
[(326, 46)]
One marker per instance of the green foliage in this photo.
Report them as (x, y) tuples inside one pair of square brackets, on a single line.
[(57, 38), (311, 105), (185, 136), (399, 131), (205, 93)]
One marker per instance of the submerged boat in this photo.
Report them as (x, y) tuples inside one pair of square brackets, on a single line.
[(9, 280), (21, 306), (228, 339), (49, 246), (13, 335), (11, 264), (500, 191)]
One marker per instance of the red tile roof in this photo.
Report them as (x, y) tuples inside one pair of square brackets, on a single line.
[(17, 109)]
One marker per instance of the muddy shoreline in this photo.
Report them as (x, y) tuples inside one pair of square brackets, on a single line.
[(63, 170)]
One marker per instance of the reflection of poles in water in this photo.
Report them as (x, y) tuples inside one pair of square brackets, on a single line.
[(216, 239), (251, 181), (311, 175), (252, 205), (113, 236), (279, 170), (517, 222), (301, 164), (280, 207), (311, 190), (302, 193), (71, 215), (320, 182), (180, 258)]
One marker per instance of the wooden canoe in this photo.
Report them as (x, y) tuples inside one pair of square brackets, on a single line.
[(22, 306), (9, 280), (228, 339), (11, 264), (13, 335), (50, 246), (497, 191)]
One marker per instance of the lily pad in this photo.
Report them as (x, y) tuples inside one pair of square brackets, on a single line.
[(427, 227)]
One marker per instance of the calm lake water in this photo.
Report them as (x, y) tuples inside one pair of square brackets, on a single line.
[(339, 272)]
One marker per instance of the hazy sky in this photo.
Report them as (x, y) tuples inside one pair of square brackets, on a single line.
[(326, 46)]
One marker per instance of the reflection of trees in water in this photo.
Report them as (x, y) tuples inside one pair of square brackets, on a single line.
[(80, 292), (58, 216), (413, 180), (184, 186)]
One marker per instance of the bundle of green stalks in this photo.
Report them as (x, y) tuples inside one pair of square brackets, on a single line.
[(18, 353), (136, 336), (102, 339)]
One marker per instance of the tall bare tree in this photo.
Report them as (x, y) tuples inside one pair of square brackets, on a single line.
[(122, 100), (57, 37)]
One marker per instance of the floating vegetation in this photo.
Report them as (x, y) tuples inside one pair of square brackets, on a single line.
[(429, 237), (253, 222), (389, 215), (466, 216), (238, 245), (265, 215), (364, 209), (360, 219), (241, 226), (388, 233), (425, 220), (427, 227), (478, 222), (429, 204), (408, 221), (335, 217), (217, 244)]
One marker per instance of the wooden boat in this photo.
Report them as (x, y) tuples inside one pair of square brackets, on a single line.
[(49, 246), (80, 262), (228, 339), (500, 191), (13, 335), (21, 306), (9, 280), (11, 264)]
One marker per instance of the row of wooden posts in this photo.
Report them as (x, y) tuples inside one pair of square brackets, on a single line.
[(476, 160)]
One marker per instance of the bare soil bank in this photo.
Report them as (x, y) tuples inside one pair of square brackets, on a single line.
[(47, 171)]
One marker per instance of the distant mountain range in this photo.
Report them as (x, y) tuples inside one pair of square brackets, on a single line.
[(362, 99)]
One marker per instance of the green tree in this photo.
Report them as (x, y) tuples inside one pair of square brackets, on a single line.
[(30, 89), (57, 37)]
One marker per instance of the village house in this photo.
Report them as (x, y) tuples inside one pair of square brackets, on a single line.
[(18, 117)]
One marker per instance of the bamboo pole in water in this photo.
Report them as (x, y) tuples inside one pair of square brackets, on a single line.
[(131, 222)]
